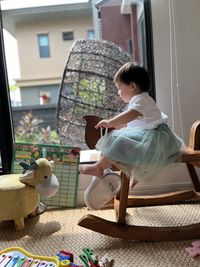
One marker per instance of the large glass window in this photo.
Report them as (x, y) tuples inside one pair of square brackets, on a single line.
[(39, 34)]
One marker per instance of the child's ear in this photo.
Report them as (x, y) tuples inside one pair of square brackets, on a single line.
[(133, 85)]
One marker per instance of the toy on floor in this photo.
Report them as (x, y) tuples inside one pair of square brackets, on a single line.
[(66, 259), (19, 193), (194, 250), (92, 260), (16, 256), (19, 257), (64, 255)]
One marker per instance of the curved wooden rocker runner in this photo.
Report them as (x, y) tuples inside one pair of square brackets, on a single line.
[(120, 228)]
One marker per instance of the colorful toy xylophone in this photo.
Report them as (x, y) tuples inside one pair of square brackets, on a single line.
[(18, 257)]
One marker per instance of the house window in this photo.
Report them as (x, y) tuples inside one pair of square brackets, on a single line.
[(43, 43), (130, 46), (90, 34), (67, 36)]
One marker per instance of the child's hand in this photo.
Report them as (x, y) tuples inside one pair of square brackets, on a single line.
[(103, 123)]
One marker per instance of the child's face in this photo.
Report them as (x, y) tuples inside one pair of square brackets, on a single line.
[(125, 91)]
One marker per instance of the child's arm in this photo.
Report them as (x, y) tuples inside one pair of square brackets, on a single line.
[(119, 120)]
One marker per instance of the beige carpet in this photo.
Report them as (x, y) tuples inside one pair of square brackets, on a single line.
[(55, 230)]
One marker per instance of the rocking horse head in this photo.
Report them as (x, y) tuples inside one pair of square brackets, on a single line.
[(92, 135)]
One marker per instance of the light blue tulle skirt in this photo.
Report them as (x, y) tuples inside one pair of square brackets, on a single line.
[(141, 153)]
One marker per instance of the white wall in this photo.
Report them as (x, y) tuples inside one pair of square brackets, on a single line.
[(176, 38)]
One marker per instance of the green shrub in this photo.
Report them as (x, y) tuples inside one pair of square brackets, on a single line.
[(29, 131)]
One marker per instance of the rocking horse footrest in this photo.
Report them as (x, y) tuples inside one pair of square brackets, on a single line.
[(161, 199)]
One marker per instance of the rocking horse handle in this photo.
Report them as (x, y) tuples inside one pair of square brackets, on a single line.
[(194, 139), (92, 135)]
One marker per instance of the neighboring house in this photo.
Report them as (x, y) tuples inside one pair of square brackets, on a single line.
[(44, 36), (122, 22)]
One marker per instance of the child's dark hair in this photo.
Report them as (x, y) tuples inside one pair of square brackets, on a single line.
[(133, 73)]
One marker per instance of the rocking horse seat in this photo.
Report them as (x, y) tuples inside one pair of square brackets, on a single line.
[(120, 228)]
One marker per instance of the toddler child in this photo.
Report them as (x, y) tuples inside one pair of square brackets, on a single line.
[(142, 142)]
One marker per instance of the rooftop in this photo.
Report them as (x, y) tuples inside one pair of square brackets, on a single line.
[(19, 4), (15, 11)]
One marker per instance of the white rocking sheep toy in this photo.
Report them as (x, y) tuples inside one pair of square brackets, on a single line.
[(19, 193)]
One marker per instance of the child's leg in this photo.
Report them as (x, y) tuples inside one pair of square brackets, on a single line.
[(97, 168)]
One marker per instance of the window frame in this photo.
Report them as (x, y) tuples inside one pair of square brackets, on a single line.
[(149, 46), (6, 124)]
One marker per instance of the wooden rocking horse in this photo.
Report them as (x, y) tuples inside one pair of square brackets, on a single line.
[(120, 229)]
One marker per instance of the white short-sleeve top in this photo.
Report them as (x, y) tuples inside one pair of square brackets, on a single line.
[(151, 115)]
